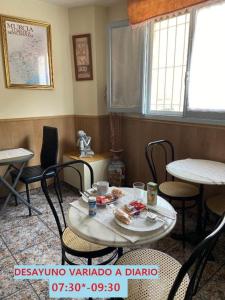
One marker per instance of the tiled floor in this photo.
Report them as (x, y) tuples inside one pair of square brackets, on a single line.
[(34, 240)]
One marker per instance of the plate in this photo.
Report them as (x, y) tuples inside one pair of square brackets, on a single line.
[(94, 194), (141, 224)]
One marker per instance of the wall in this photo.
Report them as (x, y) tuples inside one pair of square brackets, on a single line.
[(190, 140), (23, 112), (20, 103), (118, 11), (90, 95)]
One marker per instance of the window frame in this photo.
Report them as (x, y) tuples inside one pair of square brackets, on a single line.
[(189, 116), (150, 112)]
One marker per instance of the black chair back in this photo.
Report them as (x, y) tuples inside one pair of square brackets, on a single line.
[(198, 261), (152, 151), (58, 169), (49, 150)]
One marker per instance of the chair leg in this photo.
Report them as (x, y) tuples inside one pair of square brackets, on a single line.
[(58, 191), (28, 198), (120, 252), (206, 219), (63, 258), (183, 223)]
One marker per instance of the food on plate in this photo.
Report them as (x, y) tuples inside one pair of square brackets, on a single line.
[(116, 193), (102, 200), (134, 207), (122, 216)]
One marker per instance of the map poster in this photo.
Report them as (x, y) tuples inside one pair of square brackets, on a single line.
[(83, 57), (27, 53)]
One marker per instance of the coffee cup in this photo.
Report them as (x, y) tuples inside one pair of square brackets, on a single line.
[(101, 187)]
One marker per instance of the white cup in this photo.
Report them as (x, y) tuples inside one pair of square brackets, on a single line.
[(101, 187)]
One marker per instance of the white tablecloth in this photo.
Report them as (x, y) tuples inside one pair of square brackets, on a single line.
[(105, 217)]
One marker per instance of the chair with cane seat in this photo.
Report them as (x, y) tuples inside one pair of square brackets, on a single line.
[(174, 281), (48, 157), (216, 204), (169, 189), (71, 243)]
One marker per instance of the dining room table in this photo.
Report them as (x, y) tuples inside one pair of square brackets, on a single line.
[(202, 172), (105, 229)]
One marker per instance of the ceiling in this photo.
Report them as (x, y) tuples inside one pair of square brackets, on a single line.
[(73, 3)]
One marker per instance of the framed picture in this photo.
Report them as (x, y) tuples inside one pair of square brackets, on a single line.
[(83, 57), (27, 53)]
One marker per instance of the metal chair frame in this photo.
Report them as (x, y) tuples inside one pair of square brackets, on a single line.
[(48, 157), (168, 151), (198, 260), (65, 249)]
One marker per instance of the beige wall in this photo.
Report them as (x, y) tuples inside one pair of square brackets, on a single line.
[(118, 11), (17, 103), (69, 96), (89, 95)]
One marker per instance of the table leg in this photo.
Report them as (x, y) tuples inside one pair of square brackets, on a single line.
[(14, 183), (199, 228), (199, 234)]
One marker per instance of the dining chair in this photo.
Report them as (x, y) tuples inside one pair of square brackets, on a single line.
[(175, 281), (162, 152), (214, 205), (71, 243), (48, 157)]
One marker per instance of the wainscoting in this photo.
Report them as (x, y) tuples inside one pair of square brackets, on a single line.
[(190, 140), (27, 133)]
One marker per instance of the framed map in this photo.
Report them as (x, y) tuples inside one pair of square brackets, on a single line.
[(27, 53), (83, 57)]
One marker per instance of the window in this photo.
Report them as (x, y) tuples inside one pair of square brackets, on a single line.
[(175, 66), (126, 67), (169, 60), (206, 89)]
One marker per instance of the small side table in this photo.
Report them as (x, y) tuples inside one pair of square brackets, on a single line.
[(99, 164), (10, 158)]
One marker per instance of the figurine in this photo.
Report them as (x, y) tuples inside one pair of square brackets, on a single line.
[(84, 143)]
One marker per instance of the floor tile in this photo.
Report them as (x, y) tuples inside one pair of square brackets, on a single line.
[(25, 294), (3, 250), (23, 237), (7, 283), (212, 291), (47, 252)]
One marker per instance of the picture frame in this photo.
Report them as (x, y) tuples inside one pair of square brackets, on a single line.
[(83, 57), (27, 53)]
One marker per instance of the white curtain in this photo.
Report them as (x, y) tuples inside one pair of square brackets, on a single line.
[(127, 68)]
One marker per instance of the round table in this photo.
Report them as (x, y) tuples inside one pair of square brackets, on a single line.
[(203, 172), (93, 231), (198, 171)]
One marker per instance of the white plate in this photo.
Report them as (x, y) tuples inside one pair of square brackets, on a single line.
[(103, 205), (141, 224)]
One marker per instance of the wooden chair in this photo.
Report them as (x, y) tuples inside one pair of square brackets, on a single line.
[(70, 242), (174, 281), (48, 157), (169, 189)]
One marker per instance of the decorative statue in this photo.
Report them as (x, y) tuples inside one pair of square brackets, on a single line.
[(84, 143)]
